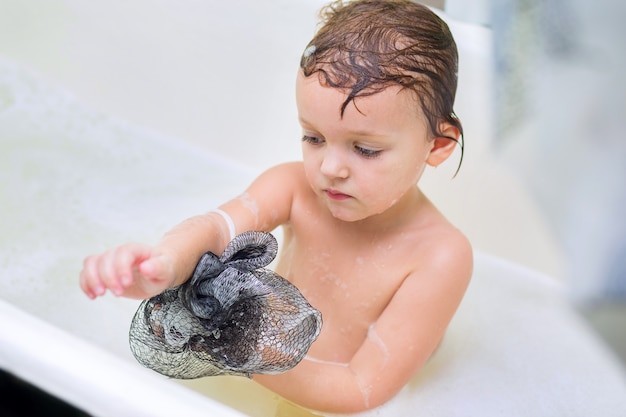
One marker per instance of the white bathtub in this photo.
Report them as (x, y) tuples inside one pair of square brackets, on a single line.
[(78, 174)]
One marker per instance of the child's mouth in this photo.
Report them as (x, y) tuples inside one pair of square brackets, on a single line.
[(335, 195)]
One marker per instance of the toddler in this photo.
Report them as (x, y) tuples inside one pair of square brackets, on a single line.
[(363, 244)]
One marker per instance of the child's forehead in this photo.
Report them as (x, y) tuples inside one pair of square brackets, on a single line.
[(315, 97), (318, 81), (376, 92)]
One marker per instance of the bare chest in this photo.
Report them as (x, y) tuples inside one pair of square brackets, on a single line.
[(350, 282)]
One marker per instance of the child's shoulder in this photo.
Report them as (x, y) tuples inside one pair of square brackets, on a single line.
[(286, 171), (452, 245), (440, 247), (290, 165), (449, 252), (289, 175), (283, 173), (279, 184)]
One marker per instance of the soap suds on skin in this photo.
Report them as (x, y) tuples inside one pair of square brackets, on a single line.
[(251, 204), (373, 336), (324, 362)]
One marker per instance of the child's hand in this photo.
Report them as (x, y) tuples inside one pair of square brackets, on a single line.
[(132, 270)]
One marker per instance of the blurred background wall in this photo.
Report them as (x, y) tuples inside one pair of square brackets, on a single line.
[(560, 108)]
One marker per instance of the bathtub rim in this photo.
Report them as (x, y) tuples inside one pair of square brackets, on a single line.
[(81, 373)]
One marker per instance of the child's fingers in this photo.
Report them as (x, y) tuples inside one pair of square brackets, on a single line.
[(132, 270), (104, 271), (114, 270), (117, 268), (84, 284), (126, 261), (90, 281)]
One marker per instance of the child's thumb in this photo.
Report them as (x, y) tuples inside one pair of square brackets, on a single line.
[(149, 268), (156, 268)]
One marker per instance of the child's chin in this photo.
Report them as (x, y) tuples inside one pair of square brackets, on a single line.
[(346, 215)]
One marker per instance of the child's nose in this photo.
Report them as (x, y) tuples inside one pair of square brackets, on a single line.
[(334, 165)]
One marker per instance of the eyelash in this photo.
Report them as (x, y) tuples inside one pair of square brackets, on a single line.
[(367, 153), (364, 152), (311, 139)]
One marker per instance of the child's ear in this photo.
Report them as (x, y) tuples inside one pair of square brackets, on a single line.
[(443, 146)]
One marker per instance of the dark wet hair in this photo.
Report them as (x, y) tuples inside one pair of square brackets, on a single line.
[(365, 46)]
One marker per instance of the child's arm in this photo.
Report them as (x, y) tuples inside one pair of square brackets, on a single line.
[(141, 271), (397, 345)]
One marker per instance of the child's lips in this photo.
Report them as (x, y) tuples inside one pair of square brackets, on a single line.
[(336, 195)]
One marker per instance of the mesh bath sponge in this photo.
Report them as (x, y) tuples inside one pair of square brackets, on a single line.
[(233, 316)]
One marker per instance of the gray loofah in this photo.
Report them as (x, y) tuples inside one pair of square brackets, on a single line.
[(233, 316)]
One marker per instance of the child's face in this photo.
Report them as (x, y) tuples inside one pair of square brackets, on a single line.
[(367, 161)]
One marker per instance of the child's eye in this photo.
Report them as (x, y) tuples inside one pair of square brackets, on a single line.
[(312, 140), (366, 152)]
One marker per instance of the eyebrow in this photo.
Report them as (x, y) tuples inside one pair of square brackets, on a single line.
[(360, 133)]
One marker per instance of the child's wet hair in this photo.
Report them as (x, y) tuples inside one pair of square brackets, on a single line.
[(366, 46)]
